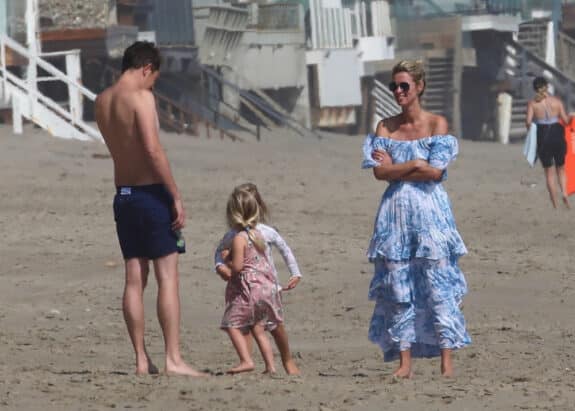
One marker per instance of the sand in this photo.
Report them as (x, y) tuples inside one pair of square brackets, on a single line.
[(63, 342)]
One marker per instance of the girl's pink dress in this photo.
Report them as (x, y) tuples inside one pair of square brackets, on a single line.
[(252, 296)]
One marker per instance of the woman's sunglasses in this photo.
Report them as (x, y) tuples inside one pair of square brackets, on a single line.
[(403, 86)]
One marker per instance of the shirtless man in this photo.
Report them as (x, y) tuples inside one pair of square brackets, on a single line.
[(148, 207)]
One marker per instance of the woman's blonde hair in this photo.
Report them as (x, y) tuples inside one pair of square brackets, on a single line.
[(244, 213), (540, 86), (252, 188), (414, 68)]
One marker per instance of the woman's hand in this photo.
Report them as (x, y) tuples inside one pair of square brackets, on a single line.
[(382, 157)]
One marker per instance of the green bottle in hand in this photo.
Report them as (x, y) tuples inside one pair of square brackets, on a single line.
[(180, 242)]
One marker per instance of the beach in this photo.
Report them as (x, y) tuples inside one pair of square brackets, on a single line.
[(64, 344)]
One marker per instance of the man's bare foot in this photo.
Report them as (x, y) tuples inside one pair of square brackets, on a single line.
[(184, 369), (291, 368), (403, 372), (241, 367)]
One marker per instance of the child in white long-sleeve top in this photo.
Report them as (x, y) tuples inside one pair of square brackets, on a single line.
[(271, 238)]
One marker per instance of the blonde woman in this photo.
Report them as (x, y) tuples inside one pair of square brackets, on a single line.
[(545, 111), (253, 302), (417, 286)]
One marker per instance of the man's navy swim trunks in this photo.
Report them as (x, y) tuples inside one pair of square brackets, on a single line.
[(143, 221)]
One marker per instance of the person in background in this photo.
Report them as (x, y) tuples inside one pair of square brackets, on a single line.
[(545, 111)]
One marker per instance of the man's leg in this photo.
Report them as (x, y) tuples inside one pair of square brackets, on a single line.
[(133, 306), (168, 306)]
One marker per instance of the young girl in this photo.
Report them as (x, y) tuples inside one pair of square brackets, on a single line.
[(271, 237), (245, 194)]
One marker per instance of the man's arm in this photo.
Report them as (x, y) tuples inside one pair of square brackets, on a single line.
[(146, 121)]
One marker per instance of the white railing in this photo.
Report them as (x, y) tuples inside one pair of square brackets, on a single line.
[(66, 123), (385, 104)]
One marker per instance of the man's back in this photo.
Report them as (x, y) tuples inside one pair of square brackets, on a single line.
[(125, 116)]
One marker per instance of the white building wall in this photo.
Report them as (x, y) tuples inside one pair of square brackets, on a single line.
[(338, 73)]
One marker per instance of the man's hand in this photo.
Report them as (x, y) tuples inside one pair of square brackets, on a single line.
[(179, 215), (293, 281)]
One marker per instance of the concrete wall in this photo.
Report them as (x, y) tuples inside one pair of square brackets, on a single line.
[(273, 60)]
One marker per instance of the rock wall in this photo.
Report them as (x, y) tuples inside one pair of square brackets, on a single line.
[(63, 14)]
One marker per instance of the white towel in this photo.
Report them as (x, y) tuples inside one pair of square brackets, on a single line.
[(530, 146)]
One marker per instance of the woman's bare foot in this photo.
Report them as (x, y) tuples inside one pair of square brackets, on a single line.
[(241, 367), (403, 372), (566, 202), (446, 364), (269, 371), (184, 369), (291, 368)]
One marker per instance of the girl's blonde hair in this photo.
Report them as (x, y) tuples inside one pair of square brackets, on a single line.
[(244, 213), (252, 188), (414, 68)]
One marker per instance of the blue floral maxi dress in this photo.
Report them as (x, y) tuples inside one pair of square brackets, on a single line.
[(418, 286)]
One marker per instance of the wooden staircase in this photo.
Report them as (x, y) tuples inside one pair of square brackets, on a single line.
[(443, 80), (60, 120), (527, 59), (533, 36)]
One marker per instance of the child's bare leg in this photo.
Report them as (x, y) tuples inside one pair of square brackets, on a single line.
[(265, 347), (249, 341), (240, 344), (404, 370), (446, 363), (281, 339)]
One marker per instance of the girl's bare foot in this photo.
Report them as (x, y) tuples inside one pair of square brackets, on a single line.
[(184, 369), (566, 202), (145, 368), (269, 371), (241, 367), (142, 370), (291, 368)]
